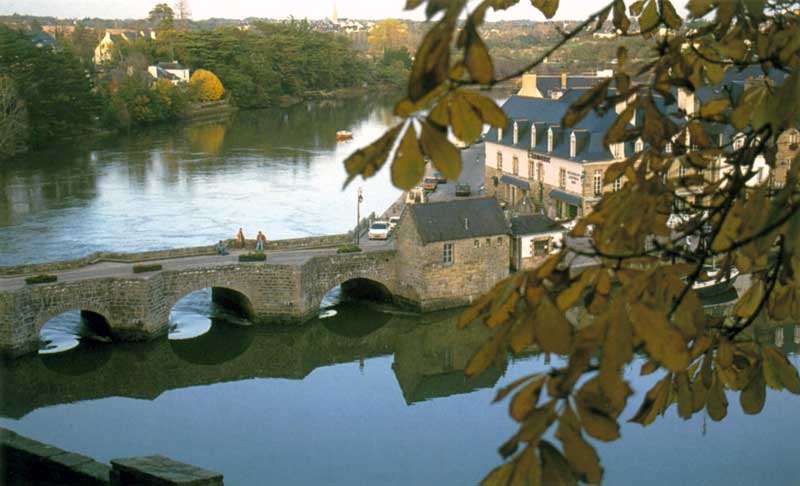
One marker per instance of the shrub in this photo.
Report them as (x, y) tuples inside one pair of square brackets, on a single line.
[(349, 249), (146, 267), (41, 279), (207, 84), (253, 257)]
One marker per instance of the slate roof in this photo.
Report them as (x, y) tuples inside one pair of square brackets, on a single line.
[(171, 65), (566, 197), (459, 219), (534, 224), (522, 184), (546, 113)]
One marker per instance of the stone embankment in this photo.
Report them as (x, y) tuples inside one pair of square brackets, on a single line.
[(26, 461)]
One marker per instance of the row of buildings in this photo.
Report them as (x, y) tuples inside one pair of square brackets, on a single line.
[(539, 176)]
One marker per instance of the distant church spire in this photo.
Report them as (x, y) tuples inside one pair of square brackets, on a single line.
[(335, 17)]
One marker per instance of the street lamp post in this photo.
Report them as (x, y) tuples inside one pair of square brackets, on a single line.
[(358, 216)]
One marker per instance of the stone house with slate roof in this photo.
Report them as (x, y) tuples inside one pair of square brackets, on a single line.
[(534, 238), (451, 252)]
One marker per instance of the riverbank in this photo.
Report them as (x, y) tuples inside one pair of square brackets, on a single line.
[(337, 94)]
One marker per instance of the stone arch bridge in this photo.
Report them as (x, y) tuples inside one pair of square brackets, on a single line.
[(137, 306)]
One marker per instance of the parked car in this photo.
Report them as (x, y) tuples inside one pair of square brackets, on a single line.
[(463, 190), (378, 230), (416, 196), (440, 179), (393, 222), (429, 183)]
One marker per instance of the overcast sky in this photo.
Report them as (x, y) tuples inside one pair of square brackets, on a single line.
[(312, 9)]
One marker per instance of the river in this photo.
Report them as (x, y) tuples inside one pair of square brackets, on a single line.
[(363, 397)]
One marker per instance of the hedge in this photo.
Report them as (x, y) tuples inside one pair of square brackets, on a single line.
[(146, 267), (253, 257), (41, 279), (349, 249)]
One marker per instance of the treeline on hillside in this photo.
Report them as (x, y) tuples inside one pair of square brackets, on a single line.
[(274, 60), (52, 92)]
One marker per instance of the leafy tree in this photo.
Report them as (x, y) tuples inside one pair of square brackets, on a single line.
[(632, 300), (162, 16), (207, 85), (13, 119), (388, 34), (54, 86)]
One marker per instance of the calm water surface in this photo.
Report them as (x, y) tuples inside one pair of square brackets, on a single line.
[(362, 397)]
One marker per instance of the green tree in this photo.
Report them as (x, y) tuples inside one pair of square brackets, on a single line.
[(162, 16), (13, 119), (631, 300), (55, 87)]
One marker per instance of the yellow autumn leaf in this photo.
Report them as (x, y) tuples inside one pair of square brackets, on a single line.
[(525, 400), (553, 331), (547, 7), (408, 167), (466, 123), (717, 403), (662, 341), (528, 471), (598, 425), (555, 469), (749, 302), (478, 61), (367, 161), (754, 395), (487, 108), (444, 155)]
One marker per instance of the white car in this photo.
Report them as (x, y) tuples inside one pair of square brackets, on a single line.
[(393, 221), (378, 230)]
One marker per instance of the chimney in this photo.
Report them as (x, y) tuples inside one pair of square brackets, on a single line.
[(564, 80), (466, 223), (530, 88)]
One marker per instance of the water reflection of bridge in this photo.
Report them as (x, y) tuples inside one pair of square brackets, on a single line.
[(429, 358)]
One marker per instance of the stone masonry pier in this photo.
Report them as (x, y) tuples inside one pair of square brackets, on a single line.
[(288, 288)]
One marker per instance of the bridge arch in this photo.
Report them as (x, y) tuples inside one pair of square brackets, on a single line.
[(96, 317)]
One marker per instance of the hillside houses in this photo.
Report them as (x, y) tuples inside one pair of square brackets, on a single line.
[(113, 38)]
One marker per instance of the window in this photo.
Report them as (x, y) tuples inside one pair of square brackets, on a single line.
[(550, 140), (559, 210), (794, 138), (541, 247), (617, 183), (573, 145), (541, 172), (639, 145), (598, 182), (530, 169), (447, 255), (572, 211), (562, 178), (668, 148), (499, 241), (477, 243), (515, 165), (499, 160), (682, 171), (618, 151), (488, 242), (738, 143)]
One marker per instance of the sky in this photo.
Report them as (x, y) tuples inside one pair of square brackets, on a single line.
[(312, 9)]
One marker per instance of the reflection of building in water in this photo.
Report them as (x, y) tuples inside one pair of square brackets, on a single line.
[(429, 362), (797, 334), (779, 337)]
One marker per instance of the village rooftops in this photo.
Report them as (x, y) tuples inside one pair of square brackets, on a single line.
[(459, 219), (534, 224)]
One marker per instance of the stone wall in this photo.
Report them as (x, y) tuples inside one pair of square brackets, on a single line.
[(478, 264), (25, 461)]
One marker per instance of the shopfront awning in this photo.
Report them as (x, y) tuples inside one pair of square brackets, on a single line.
[(516, 182), (566, 197)]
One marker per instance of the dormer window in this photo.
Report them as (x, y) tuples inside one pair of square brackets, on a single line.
[(639, 145), (533, 136), (794, 138), (668, 148), (516, 133), (499, 134), (573, 145), (738, 143), (550, 140), (617, 150)]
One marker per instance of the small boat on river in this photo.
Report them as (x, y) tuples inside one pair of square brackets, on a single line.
[(716, 283), (343, 135)]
